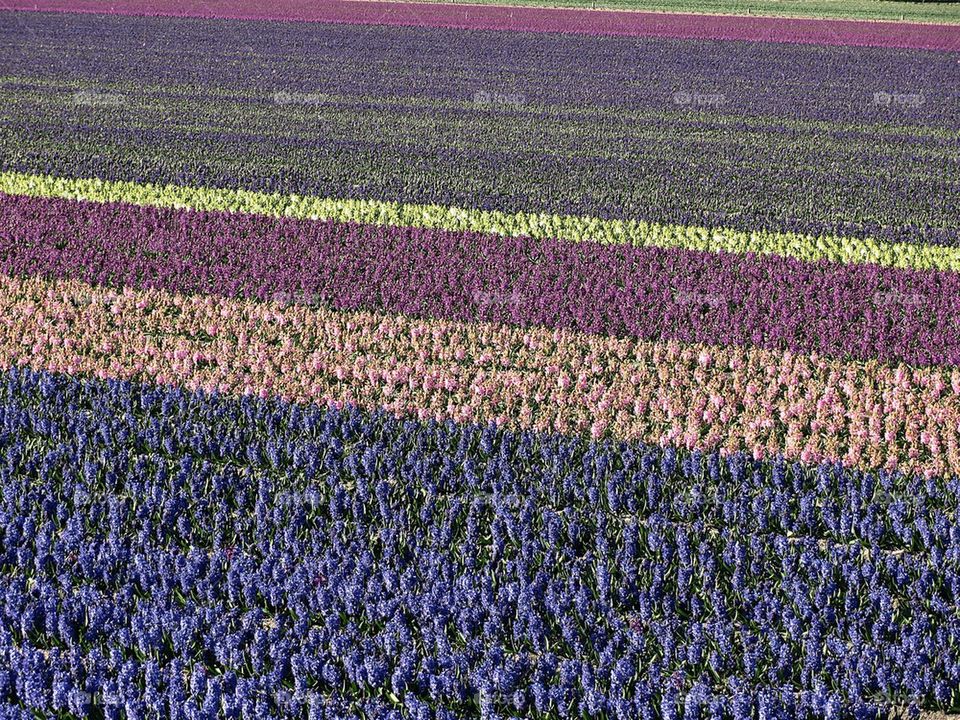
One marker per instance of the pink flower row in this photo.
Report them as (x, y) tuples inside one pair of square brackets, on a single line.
[(534, 19), (806, 407)]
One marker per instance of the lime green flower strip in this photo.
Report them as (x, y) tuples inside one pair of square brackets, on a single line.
[(577, 229)]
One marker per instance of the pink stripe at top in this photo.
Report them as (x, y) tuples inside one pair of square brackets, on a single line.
[(568, 20)]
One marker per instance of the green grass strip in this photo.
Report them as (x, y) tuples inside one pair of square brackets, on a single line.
[(573, 228), (930, 11)]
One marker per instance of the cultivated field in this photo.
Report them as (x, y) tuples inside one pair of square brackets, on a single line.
[(368, 360)]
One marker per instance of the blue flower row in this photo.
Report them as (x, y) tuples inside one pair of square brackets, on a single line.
[(178, 555)]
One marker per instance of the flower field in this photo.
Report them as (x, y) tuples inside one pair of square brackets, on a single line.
[(367, 360)]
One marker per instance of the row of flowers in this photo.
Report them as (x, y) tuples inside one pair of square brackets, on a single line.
[(657, 294), (575, 20), (534, 225), (806, 407), (179, 555)]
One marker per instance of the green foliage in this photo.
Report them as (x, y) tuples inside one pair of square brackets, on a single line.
[(938, 11)]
